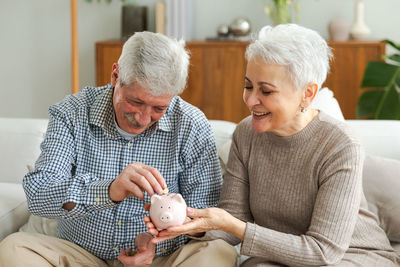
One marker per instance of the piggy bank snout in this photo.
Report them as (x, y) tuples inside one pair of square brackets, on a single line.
[(166, 217)]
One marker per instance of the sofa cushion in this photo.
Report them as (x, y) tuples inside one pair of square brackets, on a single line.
[(20, 146), (396, 246), (223, 131), (13, 208), (325, 101), (381, 183), (379, 137)]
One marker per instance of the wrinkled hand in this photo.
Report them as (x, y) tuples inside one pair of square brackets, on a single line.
[(145, 251), (204, 220), (135, 179), (153, 230)]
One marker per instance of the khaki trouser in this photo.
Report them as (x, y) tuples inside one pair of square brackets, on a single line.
[(31, 249)]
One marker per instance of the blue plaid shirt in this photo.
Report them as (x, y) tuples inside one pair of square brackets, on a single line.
[(83, 153)]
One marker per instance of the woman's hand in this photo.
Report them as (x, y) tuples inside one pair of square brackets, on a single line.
[(149, 224), (204, 220)]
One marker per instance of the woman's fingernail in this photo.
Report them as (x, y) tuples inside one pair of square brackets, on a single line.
[(190, 210)]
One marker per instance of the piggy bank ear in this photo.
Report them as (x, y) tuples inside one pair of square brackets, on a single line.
[(154, 198), (178, 198)]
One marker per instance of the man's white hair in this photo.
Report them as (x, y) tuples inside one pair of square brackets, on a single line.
[(303, 51), (158, 63)]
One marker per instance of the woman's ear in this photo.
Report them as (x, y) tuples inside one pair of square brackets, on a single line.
[(114, 74), (310, 91)]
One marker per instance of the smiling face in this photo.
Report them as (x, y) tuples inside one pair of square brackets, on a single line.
[(135, 109), (271, 97)]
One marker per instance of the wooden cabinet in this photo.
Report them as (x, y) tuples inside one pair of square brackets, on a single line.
[(217, 70), (107, 53), (347, 70), (216, 79)]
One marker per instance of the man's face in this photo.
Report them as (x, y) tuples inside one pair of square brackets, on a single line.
[(135, 109)]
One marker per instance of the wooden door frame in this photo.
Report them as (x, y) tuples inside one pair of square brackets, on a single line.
[(74, 49)]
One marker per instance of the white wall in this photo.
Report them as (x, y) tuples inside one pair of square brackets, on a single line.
[(35, 39)]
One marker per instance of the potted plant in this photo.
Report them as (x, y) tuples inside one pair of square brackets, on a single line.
[(383, 100), (281, 11)]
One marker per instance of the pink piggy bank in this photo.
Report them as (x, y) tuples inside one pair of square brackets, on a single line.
[(167, 210)]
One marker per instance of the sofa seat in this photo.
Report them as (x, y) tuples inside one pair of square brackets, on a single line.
[(13, 208)]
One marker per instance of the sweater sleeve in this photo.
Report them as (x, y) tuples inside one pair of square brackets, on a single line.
[(235, 189), (333, 219), (235, 192)]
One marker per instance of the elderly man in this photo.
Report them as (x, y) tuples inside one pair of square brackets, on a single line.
[(106, 151)]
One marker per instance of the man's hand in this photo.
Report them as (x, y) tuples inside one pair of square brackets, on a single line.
[(135, 179), (145, 251), (69, 206)]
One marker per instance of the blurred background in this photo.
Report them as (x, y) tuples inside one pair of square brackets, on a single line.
[(35, 47)]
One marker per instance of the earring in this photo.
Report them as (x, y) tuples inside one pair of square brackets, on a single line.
[(303, 109)]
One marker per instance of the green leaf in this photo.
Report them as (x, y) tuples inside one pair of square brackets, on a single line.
[(394, 57), (392, 44), (378, 74), (381, 104), (390, 105), (368, 103)]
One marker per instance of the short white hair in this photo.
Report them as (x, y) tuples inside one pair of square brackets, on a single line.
[(158, 63), (303, 51)]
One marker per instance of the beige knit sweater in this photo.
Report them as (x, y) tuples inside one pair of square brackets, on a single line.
[(302, 197)]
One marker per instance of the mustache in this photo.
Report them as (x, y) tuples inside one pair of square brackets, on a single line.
[(131, 119)]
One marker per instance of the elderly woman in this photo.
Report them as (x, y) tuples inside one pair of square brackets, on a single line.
[(292, 194)]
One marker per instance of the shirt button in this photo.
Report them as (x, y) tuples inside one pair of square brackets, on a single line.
[(97, 199), (119, 223), (163, 250), (116, 248), (129, 144)]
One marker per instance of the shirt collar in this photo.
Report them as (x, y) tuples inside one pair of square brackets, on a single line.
[(102, 112), (102, 115), (165, 123)]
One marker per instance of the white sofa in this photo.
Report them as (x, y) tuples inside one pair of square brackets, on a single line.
[(19, 147)]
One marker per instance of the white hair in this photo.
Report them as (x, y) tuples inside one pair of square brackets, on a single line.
[(303, 51), (156, 62)]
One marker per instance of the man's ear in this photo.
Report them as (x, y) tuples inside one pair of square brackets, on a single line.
[(114, 74), (310, 91)]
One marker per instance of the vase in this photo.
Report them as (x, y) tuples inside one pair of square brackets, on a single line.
[(339, 30), (281, 13), (240, 27), (359, 30), (134, 19)]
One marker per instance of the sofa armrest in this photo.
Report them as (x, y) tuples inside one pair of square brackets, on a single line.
[(20, 146), (13, 208)]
